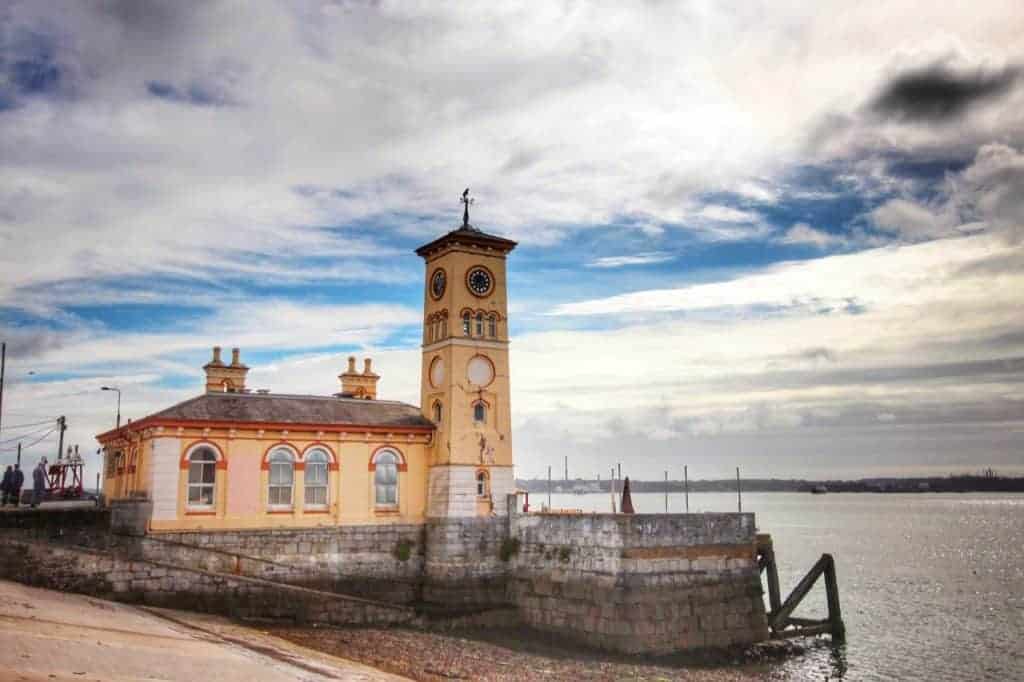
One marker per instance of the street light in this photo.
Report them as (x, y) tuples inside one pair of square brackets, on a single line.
[(115, 388)]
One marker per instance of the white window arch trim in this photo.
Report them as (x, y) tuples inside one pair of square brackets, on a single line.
[(316, 477)]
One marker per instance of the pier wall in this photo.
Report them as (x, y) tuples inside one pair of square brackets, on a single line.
[(372, 561), (644, 583), (107, 575)]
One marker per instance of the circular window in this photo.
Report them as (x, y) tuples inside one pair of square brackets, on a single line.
[(437, 372), (480, 371), (479, 280)]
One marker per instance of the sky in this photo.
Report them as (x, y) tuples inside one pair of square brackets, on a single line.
[(780, 236)]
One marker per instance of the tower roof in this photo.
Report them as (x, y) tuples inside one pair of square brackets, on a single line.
[(467, 235)]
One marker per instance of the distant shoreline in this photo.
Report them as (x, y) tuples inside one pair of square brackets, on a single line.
[(931, 484)]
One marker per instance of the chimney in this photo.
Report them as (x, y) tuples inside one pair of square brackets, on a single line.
[(356, 385), (221, 378)]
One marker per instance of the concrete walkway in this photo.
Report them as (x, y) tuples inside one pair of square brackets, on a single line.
[(48, 635)]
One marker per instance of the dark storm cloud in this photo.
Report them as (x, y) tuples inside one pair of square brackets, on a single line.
[(939, 93)]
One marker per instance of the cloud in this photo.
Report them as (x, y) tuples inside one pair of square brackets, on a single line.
[(802, 233), (635, 259), (880, 276), (939, 92)]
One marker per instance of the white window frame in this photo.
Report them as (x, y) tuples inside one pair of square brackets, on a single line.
[(189, 485), (377, 464), (316, 457), (279, 453)]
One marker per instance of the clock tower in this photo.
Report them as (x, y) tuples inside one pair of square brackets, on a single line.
[(465, 374)]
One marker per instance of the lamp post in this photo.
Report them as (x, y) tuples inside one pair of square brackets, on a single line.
[(115, 388)]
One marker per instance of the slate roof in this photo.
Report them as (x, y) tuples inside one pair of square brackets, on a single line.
[(278, 408)]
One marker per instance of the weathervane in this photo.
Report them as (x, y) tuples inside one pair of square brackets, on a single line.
[(465, 215)]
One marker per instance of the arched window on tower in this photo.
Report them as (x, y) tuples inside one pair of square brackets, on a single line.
[(479, 324), (465, 323), (437, 411), (479, 411), (483, 487), (492, 325)]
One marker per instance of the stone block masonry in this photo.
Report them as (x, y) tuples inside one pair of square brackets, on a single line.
[(373, 561), (645, 583), (463, 567), (101, 574)]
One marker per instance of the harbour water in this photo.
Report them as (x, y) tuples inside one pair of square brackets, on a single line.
[(932, 585)]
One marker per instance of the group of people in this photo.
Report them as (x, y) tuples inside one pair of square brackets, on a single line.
[(14, 479)]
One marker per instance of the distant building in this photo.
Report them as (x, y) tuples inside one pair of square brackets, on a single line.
[(231, 458)]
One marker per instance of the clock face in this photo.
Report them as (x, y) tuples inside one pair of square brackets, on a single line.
[(437, 283), (480, 281)]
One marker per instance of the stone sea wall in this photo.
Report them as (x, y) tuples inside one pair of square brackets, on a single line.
[(102, 574), (646, 583), (464, 567), (372, 561)]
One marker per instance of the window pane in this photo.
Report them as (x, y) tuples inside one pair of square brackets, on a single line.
[(386, 473), (479, 324), (316, 495), (387, 494), (195, 472), (316, 473), (193, 494), (209, 472), (492, 327), (281, 473), (465, 324)]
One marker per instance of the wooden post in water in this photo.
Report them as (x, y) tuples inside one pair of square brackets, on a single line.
[(686, 488)]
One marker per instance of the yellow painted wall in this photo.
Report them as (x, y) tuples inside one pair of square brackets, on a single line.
[(241, 488)]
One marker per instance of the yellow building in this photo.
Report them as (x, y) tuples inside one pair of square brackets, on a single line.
[(231, 458)]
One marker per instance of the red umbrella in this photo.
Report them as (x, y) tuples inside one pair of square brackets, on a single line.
[(627, 501)]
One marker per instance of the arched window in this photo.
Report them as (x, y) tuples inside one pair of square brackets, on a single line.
[(385, 479), (315, 477), (438, 411), (483, 489), (479, 411), (465, 323), (492, 325), (282, 478), (202, 475), (479, 324)]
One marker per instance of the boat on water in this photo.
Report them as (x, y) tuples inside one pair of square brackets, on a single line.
[(819, 490)]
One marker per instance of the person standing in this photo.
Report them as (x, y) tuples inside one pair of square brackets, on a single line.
[(5, 486), (17, 480), (38, 483)]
